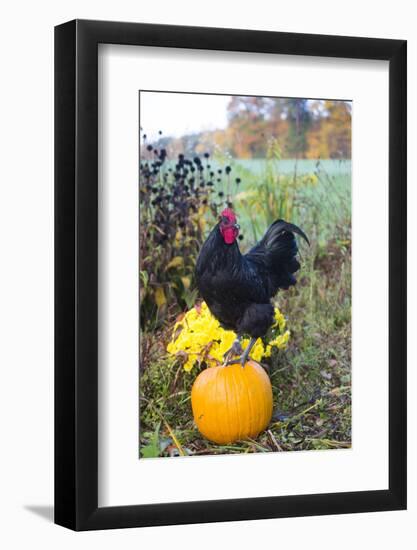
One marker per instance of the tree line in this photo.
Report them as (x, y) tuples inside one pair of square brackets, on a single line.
[(301, 128)]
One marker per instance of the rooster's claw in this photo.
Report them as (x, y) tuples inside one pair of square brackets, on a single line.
[(236, 349)]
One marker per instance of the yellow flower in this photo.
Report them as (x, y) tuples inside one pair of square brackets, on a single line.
[(310, 179), (198, 337), (280, 322)]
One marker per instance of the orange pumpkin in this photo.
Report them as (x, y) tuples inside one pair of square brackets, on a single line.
[(232, 402)]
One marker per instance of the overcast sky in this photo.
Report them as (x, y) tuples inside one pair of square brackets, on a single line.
[(178, 114)]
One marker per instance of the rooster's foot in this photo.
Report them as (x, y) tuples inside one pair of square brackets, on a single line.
[(235, 350), (245, 356), (241, 359)]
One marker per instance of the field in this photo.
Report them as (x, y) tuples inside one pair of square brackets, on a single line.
[(311, 379)]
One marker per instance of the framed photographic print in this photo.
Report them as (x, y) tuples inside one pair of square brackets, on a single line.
[(230, 236)]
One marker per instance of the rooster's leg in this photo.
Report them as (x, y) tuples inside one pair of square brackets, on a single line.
[(247, 351), (235, 350), (243, 355)]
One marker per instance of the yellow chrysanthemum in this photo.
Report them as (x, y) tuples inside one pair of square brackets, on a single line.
[(199, 337)]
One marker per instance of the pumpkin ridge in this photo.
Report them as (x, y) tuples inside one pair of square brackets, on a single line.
[(262, 410), (216, 392), (261, 381), (205, 400), (249, 399), (254, 383), (226, 406), (267, 409), (237, 387), (226, 392), (231, 381)]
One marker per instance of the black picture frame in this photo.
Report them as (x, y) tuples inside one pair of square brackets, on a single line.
[(76, 272)]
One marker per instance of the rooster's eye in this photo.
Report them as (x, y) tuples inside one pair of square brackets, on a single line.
[(224, 219)]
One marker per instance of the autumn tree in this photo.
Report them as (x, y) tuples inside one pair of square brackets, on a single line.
[(299, 118)]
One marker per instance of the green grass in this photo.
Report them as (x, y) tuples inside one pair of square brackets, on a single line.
[(278, 191), (303, 166), (311, 380)]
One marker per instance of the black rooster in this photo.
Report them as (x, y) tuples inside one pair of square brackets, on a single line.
[(238, 288)]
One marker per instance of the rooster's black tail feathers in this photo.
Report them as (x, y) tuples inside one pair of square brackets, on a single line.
[(277, 252), (277, 230)]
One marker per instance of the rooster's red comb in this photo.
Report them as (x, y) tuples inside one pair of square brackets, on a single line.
[(229, 214)]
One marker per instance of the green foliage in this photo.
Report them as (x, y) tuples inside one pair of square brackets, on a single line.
[(317, 198), (153, 448)]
